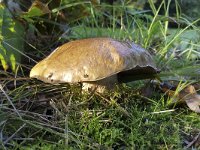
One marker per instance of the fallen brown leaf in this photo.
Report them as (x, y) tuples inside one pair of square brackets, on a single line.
[(190, 96), (193, 102), (187, 95)]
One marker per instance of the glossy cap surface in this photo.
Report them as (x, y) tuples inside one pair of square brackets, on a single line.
[(90, 60)]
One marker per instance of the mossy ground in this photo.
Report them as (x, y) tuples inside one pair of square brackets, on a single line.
[(52, 117)]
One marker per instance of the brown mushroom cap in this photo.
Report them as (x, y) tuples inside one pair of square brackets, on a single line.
[(90, 60)]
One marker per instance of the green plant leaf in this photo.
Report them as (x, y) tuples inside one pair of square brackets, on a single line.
[(37, 9), (12, 42)]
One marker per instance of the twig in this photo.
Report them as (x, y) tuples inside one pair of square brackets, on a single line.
[(30, 114), (14, 134), (66, 131), (164, 111), (1, 135), (8, 98), (16, 78), (193, 141)]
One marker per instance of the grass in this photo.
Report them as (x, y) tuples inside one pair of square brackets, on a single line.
[(35, 115), (54, 117)]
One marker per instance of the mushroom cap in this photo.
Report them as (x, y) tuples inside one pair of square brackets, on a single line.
[(90, 60)]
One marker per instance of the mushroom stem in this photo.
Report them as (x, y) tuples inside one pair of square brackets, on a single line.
[(100, 85)]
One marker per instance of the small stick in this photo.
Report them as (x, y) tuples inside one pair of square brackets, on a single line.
[(164, 111), (10, 101), (14, 134), (193, 141)]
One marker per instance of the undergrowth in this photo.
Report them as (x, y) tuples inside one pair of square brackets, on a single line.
[(55, 117)]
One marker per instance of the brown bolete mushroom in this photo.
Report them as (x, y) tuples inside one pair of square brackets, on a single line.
[(98, 63)]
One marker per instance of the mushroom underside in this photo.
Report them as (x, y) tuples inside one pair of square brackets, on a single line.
[(100, 86), (109, 83)]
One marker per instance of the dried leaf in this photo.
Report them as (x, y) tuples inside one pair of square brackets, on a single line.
[(190, 96), (37, 9), (187, 95), (194, 103)]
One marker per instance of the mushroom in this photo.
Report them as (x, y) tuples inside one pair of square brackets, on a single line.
[(98, 63)]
